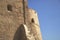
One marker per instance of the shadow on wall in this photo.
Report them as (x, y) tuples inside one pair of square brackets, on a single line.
[(20, 33)]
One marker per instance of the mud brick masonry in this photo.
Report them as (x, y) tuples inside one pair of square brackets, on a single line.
[(18, 22)]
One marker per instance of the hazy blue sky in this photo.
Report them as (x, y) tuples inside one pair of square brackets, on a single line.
[(49, 17)]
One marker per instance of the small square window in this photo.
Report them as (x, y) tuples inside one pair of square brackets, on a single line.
[(9, 7)]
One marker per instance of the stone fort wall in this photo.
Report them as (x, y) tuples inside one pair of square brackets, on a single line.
[(14, 13)]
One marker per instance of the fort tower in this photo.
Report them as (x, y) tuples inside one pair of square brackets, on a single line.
[(17, 21)]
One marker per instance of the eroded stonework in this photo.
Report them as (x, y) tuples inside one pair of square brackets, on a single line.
[(17, 21)]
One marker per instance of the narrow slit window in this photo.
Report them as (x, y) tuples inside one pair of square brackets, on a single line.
[(9, 7), (32, 20)]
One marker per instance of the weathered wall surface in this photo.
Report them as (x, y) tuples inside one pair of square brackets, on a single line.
[(13, 13), (33, 24), (10, 19)]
